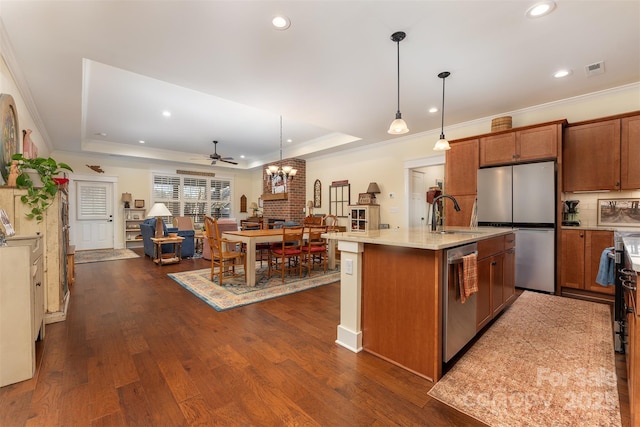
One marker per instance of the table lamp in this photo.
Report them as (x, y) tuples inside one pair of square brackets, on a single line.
[(159, 210), (254, 207), (373, 190), (309, 208), (126, 198)]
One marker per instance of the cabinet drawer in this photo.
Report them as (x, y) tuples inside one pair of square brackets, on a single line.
[(490, 247)]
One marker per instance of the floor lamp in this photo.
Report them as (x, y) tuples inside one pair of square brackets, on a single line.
[(159, 210)]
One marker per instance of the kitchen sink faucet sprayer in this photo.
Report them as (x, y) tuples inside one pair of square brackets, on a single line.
[(434, 208)]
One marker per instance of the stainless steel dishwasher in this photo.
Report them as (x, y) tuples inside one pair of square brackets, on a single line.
[(458, 320)]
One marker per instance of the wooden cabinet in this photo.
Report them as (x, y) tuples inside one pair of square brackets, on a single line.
[(460, 181), (521, 145), (21, 307), (461, 168), (602, 154), (630, 153), (496, 277), (133, 217), (462, 218), (55, 231), (580, 259), (364, 218), (591, 154)]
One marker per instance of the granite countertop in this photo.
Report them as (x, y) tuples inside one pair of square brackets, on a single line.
[(422, 239), (632, 249)]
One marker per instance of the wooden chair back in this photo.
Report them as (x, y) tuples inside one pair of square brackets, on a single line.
[(313, 220), (287, 255), (331, 222), (224, 255), (315, 248)]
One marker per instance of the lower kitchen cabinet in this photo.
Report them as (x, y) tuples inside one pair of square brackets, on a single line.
[(496, 277), (580, 259)]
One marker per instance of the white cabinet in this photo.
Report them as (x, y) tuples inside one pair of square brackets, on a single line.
[(364, 218), (21, 307), (133, 217), (55, 231)]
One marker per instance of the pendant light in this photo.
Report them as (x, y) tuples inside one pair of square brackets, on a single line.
[(285, 172), (398, 126), (442, 144)]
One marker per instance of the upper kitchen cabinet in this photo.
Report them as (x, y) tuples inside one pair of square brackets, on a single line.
[(630, 153), (598, 154), (461, 168), (591, 155), (525, 144)]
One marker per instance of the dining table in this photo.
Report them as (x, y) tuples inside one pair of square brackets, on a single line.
[(251, 238)]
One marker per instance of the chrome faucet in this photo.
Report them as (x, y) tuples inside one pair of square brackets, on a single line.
[(434, 208)]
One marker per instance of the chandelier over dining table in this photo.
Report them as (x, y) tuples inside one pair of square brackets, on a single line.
[(279, 175)]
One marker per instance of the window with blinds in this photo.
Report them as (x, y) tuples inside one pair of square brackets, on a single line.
[(193, 196)]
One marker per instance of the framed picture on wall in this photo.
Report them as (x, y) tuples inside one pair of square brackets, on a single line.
[(619, 212), (138, 203)]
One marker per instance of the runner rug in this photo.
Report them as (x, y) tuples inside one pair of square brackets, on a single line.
[(547, 361), (234, 293), (83, 257)]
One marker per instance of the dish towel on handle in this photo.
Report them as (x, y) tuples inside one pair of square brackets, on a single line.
[(468, 276), (607, 269)]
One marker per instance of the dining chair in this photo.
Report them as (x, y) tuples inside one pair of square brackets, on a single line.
[(331, 222), (222, 255), (261, 248), (310, 221), (286, 255), (315, 248)]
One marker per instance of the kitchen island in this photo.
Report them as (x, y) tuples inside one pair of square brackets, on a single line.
[(391, 292)]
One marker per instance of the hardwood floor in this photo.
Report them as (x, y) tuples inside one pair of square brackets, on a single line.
[(139, 350)]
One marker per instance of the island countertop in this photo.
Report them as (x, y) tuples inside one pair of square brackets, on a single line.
[(423, 238)]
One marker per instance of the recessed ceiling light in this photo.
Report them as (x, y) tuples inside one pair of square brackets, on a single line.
[(540, 9), (166, 113), (141, 142), (561, 73), (242, 156), (281, 22), (433, 109)]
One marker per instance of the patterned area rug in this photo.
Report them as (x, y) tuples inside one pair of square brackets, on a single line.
[(234, 293), (83, 257), (548, 361)]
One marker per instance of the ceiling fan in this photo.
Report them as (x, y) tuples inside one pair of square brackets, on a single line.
[(215, 156)]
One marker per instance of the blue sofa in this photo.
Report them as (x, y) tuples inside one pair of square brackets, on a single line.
[(148, 230)]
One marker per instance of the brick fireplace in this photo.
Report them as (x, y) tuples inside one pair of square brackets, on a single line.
[(290, 205)]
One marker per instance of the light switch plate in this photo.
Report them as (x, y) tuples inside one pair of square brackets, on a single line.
[(348, 266)]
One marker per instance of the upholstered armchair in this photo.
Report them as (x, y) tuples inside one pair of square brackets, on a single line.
[(148, 230)]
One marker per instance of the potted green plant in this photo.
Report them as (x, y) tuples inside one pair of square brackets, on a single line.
[(39, 195)]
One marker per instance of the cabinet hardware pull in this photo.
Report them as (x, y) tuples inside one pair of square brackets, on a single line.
[(38, 284), (494, 263), (630, 310)]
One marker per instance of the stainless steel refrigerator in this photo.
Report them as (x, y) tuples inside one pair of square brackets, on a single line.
[(524, 197)]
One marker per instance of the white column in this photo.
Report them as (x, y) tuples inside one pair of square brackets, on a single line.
[(350, 328)]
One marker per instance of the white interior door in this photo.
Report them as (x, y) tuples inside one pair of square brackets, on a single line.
[(94, 215), (418, 203)]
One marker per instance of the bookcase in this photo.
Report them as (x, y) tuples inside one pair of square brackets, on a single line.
[(133, 217), (364, 218)]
